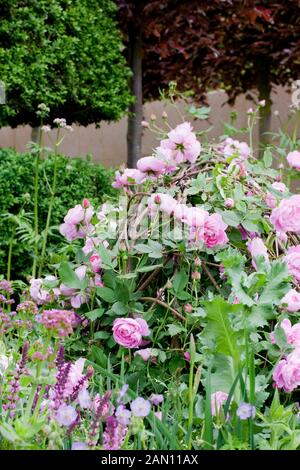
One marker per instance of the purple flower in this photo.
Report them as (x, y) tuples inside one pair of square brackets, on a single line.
[(156, 399), (245, 411), (114, 434), (123, 415), (122, 393), (140, 407), (79, 446), (66, 415)]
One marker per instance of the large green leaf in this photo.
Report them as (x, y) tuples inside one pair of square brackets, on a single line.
[(219, 326)]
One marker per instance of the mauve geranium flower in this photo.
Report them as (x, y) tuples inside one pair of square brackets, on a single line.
[(246, 411), (140, 407), (156, 399), (66, 415), (145, 354), (123, 415), (293, 159)]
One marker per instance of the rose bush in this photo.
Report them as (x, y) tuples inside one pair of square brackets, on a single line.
[(187, 289)]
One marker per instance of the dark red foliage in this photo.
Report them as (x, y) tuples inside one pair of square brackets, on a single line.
[(238, 44)]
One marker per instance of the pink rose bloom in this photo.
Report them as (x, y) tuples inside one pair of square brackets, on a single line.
[(166, 155), (95, 261), (287, 372), (293, 159), (183, 143), (292, 300), (151, 165), (145, 354), (286, 217), (144, 326), (129, 177), (196, 217), (292, 332), (292, 260), (218, 399), (271, 199), (181, 212), (214, 231), (127, 332), (234, 148), (163, 202), (256, 247)]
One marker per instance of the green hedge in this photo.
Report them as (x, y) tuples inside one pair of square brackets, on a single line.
[(77, 178)]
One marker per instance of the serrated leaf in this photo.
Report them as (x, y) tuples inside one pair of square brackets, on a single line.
[(174, 330), (94, 314), (106, 294), (231, 218), (219, 327)]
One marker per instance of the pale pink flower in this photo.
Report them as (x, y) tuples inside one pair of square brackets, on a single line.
[(181, 212), (256, 247), (229, 203), (66, 415), (195, 217), (75, 215), (214, 231), (218, 399), (286, 217), (287, 372), (129, 177), (183, 143), (166, 155), (271, 199), (144, 326), (234, 148), (292, 260), (38, 292), (292, 300), (95, 261), (163, 202), (145, 354), (292, 332), (153, 166), (293, 159), (140, 407)]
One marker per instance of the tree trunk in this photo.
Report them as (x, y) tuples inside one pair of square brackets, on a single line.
[(134, 132), (264, 93)]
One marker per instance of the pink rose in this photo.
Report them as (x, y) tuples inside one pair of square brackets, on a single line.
[(151, 165), (196, 217), (287, 372), (128, 332), (144, 326), (292, 300), (293, 159), (271, 199), (214, 231), (163, 202), (129, 177), (292, 260), (256, 247), (229, 203), (183, 144), (218, 399), (292, 332), (286, 217)]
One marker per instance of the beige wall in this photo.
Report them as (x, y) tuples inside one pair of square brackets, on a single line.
[(107, 144)]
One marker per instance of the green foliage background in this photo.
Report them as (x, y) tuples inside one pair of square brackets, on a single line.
[(66, 54), (77, 178)]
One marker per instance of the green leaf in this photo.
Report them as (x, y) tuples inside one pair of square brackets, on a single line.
[(180, 281), (219, 327), (174, 330), (94, 314), (102, 335), (106, 294), (120, 309), (231, 218), (277, 284), (69, 278), (146, 269), (267, 158)]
